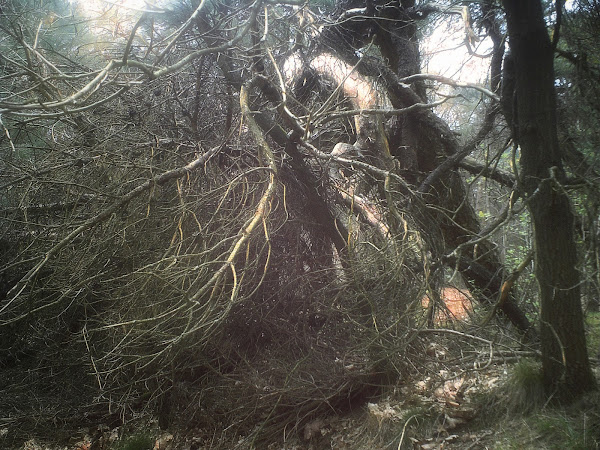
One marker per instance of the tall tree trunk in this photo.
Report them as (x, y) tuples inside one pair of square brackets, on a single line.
[(566, 369)]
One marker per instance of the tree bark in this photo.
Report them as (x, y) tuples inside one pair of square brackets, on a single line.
[(566, 369), (422, 142)]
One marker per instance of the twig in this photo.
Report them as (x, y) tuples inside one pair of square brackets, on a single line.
[(451, 82), (404, 430), (157, 180)]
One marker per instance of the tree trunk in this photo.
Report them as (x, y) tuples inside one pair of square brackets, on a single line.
[(421, 142), (566, 369)]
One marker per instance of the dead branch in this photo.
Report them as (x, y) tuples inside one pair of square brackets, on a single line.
[(157, 180)]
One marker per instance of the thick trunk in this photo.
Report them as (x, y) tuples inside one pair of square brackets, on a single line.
[(433, 140), (421, 142), (566, 368)]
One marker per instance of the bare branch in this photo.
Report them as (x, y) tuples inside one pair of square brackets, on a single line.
[(450, 82), (157, 180)]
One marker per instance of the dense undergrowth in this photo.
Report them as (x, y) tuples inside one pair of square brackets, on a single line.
[(462, 397)]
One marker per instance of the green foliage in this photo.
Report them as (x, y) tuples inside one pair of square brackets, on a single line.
[(551, 431), (142, 440), (593, 333), (521, 419), (560, 431), (525, 387), (555, 429)]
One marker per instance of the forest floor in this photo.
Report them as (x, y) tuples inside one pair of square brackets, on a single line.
[(498, 405)]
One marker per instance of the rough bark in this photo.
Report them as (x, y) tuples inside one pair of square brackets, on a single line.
[(492, 24), (566, 369)]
